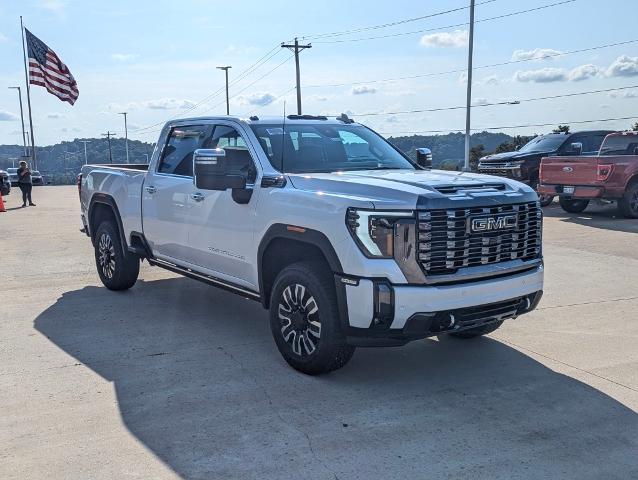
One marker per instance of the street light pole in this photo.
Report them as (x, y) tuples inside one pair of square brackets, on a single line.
[(225, 69), (24, 138), (466, 166), (125, 135), (86, 161)]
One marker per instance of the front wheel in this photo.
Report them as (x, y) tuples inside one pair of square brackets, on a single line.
[(545, 200), (117, 269), (573, 206), (628, 204), (304, 319)]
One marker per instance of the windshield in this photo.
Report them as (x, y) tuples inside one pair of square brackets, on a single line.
[(308, 148), (544, 143), (620, 145)]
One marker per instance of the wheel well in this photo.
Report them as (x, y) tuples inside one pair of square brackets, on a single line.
[(282, 252), (632, 180), (99, 213)]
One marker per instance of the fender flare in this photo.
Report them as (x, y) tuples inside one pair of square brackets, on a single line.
[(104, 199), (310, 236)]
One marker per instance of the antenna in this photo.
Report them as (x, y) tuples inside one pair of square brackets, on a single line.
[(283, 134)]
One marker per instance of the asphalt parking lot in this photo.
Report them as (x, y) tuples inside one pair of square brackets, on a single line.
[(175, 379)]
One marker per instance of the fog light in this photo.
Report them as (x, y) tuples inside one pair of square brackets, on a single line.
[(383, 305)]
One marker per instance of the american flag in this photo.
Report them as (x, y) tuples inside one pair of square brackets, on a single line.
[(47, 70)]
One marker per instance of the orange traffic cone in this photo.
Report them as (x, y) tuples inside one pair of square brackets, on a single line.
[(2, 209)]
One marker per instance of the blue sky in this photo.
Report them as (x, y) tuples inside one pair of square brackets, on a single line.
[(157, 59)]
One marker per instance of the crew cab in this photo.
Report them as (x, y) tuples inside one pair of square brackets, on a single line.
[(524, 163), (340, 235), (610, 175)]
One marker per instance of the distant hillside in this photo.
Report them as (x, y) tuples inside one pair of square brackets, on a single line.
[(448, 148), (60, 163)]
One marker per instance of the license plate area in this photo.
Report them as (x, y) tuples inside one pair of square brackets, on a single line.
[(569, 190)]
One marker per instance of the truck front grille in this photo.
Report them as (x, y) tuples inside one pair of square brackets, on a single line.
[(447, 241)]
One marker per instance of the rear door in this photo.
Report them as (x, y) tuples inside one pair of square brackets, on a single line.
[(167, 190)]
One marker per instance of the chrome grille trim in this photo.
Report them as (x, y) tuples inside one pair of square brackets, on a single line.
[(446, 243)]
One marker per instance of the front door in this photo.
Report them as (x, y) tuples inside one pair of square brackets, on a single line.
[(220, 232)]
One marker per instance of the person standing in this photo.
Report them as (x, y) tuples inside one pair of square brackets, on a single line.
[(25, 183)]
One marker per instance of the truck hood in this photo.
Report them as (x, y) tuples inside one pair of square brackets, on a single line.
[(509, 156), (415, 188)]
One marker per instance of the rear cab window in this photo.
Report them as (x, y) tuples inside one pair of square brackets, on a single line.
[(620, 145)]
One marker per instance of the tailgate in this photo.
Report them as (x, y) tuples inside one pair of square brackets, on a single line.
[(569, 171)]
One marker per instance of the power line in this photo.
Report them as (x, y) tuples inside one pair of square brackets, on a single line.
[(392, 24), (508, 127), (463, 70), (399, 34), (491, 104)]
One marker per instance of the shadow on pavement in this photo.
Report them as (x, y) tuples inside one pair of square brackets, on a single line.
[(200, 383), (606, 217)]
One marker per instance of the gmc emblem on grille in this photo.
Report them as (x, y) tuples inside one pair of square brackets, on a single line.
[(487, 224)]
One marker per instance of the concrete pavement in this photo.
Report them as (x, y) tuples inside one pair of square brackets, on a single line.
[(175, 379)]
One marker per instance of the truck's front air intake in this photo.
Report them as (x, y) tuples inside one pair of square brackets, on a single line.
[(469, 237)]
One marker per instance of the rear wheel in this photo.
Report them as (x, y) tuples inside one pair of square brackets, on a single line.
[(573, 206), (304, 319), (628, 204), (478, 331), (117, 269)]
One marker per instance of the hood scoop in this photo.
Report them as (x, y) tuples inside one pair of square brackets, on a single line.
[(456, 189)]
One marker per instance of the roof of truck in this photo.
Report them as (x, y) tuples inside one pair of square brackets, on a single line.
[(273, 119)]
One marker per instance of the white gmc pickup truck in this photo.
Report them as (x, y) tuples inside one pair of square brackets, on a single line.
[(340, 235)]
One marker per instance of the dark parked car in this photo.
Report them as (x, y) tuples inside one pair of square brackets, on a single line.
[(5, 183), (13, 176), (524, 163)]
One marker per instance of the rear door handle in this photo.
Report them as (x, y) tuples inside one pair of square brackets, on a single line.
[(151, 189), (198, 197)]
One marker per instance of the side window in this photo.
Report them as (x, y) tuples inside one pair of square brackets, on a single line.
[(595, 142), (237, 156), (177, 157)]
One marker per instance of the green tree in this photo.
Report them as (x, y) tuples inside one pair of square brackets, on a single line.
[(476, 153), (635, 127), (517, 142), (561, 129)]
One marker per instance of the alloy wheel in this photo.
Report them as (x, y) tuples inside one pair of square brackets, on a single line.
[(106, 257), (299, 318)]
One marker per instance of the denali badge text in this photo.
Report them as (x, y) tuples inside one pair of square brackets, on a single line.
[(486, 224)]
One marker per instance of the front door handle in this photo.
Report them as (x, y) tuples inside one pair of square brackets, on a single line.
[(151, 189), (198, 197)]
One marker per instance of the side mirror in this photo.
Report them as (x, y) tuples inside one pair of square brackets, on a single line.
[(211, 171), (576, 148), (424, 157)]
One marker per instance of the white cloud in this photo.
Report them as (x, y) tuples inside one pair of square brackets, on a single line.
[(3, 37), (458, 38), (544, 75), (583, 72), (55, 6), (7, 116), (259, 99), (491, 80), (480, 101), (363, 89), (623, 66), (318, 98), (55, 115), (625, 94), (124, 57), (535, 54), (167, 104)]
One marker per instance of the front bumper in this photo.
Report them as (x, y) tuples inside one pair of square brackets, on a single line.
[(381, 314)]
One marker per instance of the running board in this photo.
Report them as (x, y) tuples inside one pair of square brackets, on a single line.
[(202, 277)]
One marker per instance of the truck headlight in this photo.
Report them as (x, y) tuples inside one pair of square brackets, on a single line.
[(373, 230)]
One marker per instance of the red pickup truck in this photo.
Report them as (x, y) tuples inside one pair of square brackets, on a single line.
[(611, 175)]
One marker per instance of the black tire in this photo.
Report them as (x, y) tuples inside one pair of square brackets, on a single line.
[(117, 270), (628, 204), (304, 319), (573, 206), (478, 331)]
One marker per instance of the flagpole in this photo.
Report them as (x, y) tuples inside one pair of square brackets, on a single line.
[(26, 79)]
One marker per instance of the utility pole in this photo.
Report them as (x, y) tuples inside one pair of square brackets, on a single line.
[(125, 135), (297, 48), (108, 136), (24, 138), (225, 69), (468, 108), (86, 161)]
